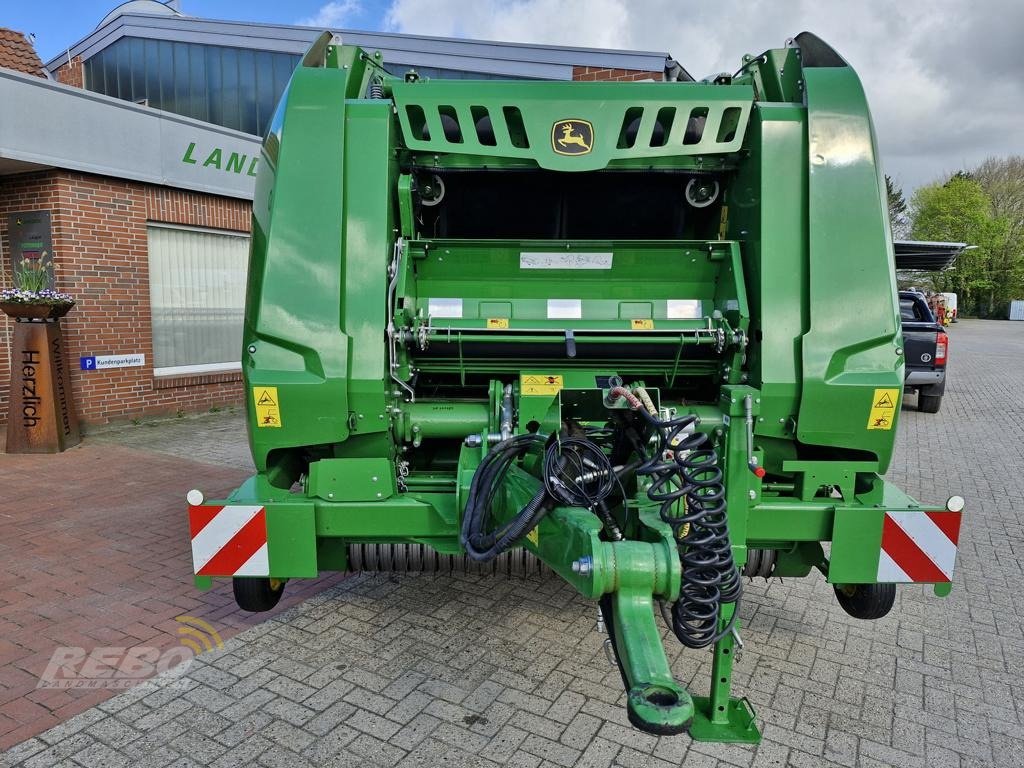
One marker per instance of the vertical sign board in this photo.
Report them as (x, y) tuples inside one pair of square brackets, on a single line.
[(31, 239), (42, 416)]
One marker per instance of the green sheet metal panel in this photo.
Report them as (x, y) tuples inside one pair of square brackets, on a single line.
[(853, 344), (527, 119)]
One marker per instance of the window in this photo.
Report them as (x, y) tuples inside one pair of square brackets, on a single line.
[(197, 296), (233, 87)]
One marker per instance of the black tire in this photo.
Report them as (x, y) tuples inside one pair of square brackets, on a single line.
[(255, 594), (929, 403), (866, 601)]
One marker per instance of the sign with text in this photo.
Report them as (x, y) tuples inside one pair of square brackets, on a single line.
[(42, 416), (31, 238), (105, 362)]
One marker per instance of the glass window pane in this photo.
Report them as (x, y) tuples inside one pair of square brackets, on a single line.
[(110, 73), (137, 62), (122, 56), (265, 97), (166, 70), (214, 85), (182, 99), (94, 74), (197, 82), (229, 89), (247, 90), (197, 295), (151, 51)]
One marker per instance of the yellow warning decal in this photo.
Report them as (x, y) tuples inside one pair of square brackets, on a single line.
[(534, 536), (642, 325), (497, 322), (537, 384), (883, 409), (268, 410)]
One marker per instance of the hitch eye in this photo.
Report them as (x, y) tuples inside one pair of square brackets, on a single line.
[(660, 697)]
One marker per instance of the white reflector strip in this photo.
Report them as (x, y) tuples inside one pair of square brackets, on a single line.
[(682, 309), (929, 538), (451, 308), (218, 532), (257, 565), (565, 309), (889, 571)]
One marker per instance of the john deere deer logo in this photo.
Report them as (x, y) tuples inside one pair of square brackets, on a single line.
[(572, 137)]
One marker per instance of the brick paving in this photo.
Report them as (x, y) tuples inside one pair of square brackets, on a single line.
[(475, 671), (95, 552)]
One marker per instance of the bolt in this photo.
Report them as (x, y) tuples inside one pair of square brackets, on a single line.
[(374, 478), (584, 566), (752, 494), (330, 495), (252, 349), (379, 495)]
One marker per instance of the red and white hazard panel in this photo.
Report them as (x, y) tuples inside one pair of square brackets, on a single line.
[(229, 541), (918, 546)]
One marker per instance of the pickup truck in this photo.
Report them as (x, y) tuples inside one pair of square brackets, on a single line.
[(925, 347)]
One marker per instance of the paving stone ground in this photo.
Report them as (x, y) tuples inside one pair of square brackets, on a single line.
[(475, 671), (94, 553)]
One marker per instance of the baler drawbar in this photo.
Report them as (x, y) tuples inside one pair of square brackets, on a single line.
[(594, 326)]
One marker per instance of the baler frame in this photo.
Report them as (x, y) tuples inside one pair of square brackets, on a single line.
[(389, 403)]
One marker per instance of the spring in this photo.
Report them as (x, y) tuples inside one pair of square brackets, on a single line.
[(687, 483)]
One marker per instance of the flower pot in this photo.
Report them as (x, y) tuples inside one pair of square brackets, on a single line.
[(29, 311)]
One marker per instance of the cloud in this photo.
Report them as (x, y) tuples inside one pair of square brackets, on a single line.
[(940, 75), (332, 15), (596, 23)]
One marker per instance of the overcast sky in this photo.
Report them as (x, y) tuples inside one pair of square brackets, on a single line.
[(943, 77)]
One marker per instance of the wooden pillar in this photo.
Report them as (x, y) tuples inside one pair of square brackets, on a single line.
[(41, 417)]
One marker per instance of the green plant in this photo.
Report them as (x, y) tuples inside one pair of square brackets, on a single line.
[(32, 274), (31, 278)]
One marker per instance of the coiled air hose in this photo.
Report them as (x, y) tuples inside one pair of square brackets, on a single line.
[(687, 484)]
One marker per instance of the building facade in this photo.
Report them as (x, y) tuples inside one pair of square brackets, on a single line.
[(149, 198)]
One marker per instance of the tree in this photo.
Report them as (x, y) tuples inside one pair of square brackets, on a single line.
[(960, 211), (898, 221), (1002, 179)]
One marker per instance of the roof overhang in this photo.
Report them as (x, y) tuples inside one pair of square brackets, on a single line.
[(927, 256), (58, 126)]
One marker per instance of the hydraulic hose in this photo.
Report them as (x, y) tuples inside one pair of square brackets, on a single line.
[(687, 483), (482, 542)]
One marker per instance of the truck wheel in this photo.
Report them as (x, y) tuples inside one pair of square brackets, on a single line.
[(866, 601), (929, 403), (256, 594)]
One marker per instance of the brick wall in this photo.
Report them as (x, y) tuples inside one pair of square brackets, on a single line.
[(599, 73), (72, 73), (101, 256)]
